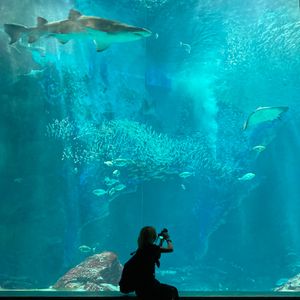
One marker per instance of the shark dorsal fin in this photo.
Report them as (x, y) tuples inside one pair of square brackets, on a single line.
[(74, 15), (41, 21)]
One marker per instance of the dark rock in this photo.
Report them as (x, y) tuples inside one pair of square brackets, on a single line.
[(100, 272)]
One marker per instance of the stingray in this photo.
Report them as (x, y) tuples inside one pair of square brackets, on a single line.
[(264, 114)]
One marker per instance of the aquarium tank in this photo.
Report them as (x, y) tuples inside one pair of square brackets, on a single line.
[(177, 114)]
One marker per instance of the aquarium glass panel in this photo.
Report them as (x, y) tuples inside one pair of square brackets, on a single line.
[(175, 114)]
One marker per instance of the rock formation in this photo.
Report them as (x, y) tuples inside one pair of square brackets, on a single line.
[(100, 272)]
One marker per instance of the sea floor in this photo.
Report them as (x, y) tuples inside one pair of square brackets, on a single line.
[(50, 293)]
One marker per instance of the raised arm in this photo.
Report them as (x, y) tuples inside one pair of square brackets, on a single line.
[(169, 247)]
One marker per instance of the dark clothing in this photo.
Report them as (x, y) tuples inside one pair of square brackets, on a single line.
[(147, 257), (147, 287), (159, 291)]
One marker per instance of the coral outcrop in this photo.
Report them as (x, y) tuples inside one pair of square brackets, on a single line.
[(100, 272), (292, 285)]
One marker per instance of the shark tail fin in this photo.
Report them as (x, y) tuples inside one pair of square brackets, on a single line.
[(14, 31)]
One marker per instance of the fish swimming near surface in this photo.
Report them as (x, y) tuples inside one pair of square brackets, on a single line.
[(186, 174), (18, 180), (120, 187), (112, 191), (108, 163), (116, 173), (259, 148), (186, 47), (99, 192), (263, 114), (246, 177), (33, 73), (110, 181), (122, 162), (103, 32)]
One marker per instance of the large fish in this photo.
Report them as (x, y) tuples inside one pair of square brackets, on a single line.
[(104, 32), (263, 114)]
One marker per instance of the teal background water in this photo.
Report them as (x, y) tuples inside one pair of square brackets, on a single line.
[(170, 109)]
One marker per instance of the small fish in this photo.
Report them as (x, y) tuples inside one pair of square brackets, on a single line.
[(31, 74), (186, 174), (110, 182), (156, 36), (86, 249), (116, 173), (111, 192), (34, 73), (18, 180), (247, 176), (186, 47), (259, 148), (99, 192), (122, 162), (108, 163), (183, 187), (120, 187)]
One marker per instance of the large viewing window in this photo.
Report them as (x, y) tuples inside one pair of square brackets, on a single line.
[(120, 114)]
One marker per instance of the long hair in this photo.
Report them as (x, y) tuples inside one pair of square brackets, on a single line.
[(147, 236)]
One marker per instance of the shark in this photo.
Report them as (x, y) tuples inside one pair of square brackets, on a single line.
[(103, 32)]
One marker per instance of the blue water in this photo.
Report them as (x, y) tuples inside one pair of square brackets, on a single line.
[(170, 103)]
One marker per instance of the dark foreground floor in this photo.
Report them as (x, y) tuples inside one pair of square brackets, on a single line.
[(37, 294)]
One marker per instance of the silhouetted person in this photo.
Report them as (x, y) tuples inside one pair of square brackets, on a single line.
[(145, 259)]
